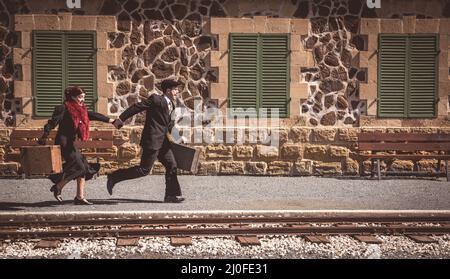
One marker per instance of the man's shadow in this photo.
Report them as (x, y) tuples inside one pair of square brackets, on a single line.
[(17, 206)]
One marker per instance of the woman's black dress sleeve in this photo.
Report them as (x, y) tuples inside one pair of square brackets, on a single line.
[(54, 121)]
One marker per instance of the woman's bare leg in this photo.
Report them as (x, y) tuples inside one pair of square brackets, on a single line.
[(80, 187)]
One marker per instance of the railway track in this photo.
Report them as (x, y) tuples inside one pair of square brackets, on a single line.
[(320, 225)]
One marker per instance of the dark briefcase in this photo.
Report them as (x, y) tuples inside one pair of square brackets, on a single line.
[(186, 157)]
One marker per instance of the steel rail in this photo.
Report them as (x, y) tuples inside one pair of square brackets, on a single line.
[(287, 230), (223, 220)]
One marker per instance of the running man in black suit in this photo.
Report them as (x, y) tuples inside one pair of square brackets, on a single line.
[(154, 141)]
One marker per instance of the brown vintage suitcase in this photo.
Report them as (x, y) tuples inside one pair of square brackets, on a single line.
[(186, 157), (41, 160)]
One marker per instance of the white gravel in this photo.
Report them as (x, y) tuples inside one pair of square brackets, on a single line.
[(272, 247)]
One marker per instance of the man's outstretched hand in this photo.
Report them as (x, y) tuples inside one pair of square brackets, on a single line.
[(118, 123)]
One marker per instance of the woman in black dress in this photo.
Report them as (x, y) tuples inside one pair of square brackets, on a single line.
[(73, 120)]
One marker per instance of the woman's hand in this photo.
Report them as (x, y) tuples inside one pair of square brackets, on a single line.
[(42, 141), (117, 123)]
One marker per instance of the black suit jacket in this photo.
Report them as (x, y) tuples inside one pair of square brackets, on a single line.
[(157, 122)]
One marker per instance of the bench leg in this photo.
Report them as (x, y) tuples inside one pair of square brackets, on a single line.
[(446, 170), (361, 169), (97, 175), (378, 169), (438, 171), (372, 169)]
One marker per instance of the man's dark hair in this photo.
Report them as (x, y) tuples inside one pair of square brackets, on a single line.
[(168, 84)]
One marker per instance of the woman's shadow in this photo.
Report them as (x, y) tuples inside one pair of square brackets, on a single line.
[(17, 206)]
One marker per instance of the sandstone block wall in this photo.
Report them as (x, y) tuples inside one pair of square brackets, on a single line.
[(303, 152), (333, 73), (333, 63)]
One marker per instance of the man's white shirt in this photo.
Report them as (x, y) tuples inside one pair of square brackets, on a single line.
[(169, 103)]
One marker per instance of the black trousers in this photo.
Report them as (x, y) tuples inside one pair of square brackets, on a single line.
[(148, 158)]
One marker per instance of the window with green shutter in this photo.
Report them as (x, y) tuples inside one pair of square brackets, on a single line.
[(62, 59), (408, 75), (259, 74)]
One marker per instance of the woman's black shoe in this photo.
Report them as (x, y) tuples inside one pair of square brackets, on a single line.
[(56, 193), (78, 201)]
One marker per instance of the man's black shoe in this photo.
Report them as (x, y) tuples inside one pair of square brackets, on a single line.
[(173, 199), (110, 184)]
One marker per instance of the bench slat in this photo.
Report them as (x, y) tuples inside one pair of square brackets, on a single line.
[(29, 134), (402, 137), (430, 146), (98, 155), (15, 157), (15, 143), (406, 157), (94, 144), (17, 134)]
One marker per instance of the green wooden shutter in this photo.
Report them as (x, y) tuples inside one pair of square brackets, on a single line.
[(81, 64), (275, 77), (407, 76), (62, 59), (259, 72), (392, 75), (423, 76), (48, 71), (243, 72)]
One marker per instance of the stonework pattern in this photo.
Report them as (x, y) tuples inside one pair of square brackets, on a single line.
[(334, 82), (157, 50), (8, 39), (158, 39)]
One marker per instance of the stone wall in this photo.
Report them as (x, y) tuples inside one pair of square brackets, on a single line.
[(334, 79), (8, 39), (164, 38), (333, 73), (156, 50), (159, 40), (302, 152)]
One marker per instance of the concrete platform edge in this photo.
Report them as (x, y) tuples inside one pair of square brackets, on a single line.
[(218, 213)]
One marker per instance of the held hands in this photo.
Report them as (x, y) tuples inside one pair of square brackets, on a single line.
[(118, 123)]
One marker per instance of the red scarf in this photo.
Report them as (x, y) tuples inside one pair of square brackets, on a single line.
[(80, 119)]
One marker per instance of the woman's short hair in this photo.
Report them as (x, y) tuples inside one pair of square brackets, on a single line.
[(72, 91)]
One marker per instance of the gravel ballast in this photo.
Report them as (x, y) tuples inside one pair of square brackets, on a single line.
[(272, 247)]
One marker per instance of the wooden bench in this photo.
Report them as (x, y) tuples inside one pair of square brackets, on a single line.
[(92, 148), (434, 146)]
